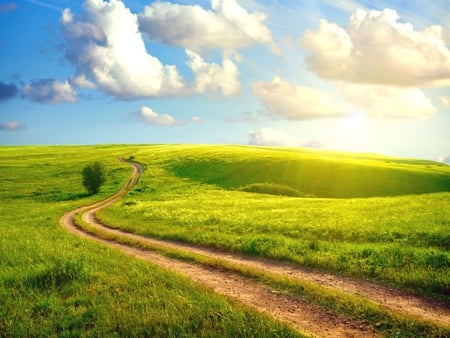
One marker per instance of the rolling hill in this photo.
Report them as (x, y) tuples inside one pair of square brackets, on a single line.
[(305, 172)]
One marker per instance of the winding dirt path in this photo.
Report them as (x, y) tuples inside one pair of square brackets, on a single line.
[(303, 316)]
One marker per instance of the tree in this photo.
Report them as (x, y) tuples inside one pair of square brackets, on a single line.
[(93, 177)]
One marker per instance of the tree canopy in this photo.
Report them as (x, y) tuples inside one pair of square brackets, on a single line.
[(93, 177)]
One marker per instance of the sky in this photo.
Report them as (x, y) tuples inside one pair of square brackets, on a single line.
[(353, 75)]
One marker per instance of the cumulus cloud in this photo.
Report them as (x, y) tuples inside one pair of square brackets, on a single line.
[(296, 102), (445, 101), (388, 102), (376, 48), (271, 137), (106, 47), (285, 100), (11, 126), (49, 91), (226, 26), (7, 91), (154, 119), (212, 77), (82, 82)]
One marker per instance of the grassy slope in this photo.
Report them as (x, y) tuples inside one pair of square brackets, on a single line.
[(323, 174), (52, 283), (402, 240)]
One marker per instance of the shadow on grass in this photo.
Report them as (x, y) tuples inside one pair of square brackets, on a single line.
[(73, 196), (58, 196), (57, 275)]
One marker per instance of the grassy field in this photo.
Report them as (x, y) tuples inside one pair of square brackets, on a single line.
[(242, 199), (397, 234), (55, 284), (309, 172)]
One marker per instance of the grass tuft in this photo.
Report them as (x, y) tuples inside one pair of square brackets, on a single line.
[(57, 275)]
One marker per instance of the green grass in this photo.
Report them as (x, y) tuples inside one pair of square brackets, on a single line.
[(385, 322), (55, 284), (189, 193), (318, 173), (236, 198)]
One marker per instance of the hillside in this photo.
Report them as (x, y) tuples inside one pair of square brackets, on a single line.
[(304, 172), (54, 283), (195, 194)]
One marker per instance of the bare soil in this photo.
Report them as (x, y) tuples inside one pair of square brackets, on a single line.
[(305, 317)]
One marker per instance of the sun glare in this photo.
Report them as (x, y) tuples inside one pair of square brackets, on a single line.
[(352, 132)]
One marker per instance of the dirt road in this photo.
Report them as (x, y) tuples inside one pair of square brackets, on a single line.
[(303, 316)]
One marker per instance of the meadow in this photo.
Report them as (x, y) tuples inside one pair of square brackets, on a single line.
[(366, 216), (55, 284)]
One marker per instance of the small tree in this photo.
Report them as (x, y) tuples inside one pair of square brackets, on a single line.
[(93, 177)]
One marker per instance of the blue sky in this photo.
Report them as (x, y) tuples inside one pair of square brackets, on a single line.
[(365, 76)]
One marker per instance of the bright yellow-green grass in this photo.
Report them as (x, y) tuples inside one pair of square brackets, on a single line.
[(55, 284), (397, 234), (318, 173)]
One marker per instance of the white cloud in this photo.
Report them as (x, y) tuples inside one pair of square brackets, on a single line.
[(196, 120), (154, 119), (445, 101), (212, 77), (271, 137), (376, 48), (82, 81), (276, 137), (285, 100), (388, 102), (49, 91), (105, 45), (227, 26), (11, 126), (298, 103)]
